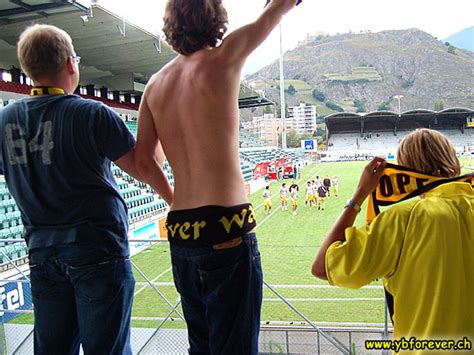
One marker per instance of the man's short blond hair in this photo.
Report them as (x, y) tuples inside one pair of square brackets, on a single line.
[(429, 151), (43, 51)]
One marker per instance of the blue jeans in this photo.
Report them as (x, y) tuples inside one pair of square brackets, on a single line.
[(221, 293), (81, 296)]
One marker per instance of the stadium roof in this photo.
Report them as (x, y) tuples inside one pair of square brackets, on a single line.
[(250, 98), (455, 117), (115, 53)]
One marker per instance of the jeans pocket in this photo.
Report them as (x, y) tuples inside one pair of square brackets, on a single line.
[(250, 240), (46, 282), (100, 281)]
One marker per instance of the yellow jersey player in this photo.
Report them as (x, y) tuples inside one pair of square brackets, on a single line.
[(309, 194), (284, 197), (294, 197), (267, 202), (335, 186)]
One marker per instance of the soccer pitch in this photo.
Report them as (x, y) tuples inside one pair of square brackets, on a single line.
[(288, 244)]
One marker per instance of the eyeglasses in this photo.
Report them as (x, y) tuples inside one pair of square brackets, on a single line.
[(76, 58)]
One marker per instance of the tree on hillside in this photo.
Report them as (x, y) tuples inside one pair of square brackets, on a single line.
[(334, 107), (319, 95), (438, 106), (268, 109), (292, 139), (360, 105), (291, 90), (384, 106)]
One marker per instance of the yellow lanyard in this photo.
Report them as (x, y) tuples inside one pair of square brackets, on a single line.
[(45, 90)]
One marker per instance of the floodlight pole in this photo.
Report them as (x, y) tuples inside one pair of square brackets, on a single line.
[(282, 93), (398, 97)]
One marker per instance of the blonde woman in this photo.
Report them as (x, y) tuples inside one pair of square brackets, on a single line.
[(423, 250)]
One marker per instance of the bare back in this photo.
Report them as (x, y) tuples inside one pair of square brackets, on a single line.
[(191, 108), (194, 104)]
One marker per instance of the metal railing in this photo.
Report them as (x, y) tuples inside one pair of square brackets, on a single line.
[(314, 318)]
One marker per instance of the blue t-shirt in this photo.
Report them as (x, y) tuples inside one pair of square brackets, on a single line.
[(56, 153)]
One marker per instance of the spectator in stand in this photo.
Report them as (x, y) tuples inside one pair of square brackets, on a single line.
[(56, 151), (423, 250)]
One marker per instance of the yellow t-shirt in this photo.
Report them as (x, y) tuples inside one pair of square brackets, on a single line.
[(424, 251)]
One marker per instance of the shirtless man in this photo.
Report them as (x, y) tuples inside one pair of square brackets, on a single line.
[(190, 108)]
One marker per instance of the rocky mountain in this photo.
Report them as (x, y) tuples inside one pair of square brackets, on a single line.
[(364, 71)]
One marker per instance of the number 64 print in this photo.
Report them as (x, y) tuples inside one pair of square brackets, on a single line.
[(18, 147)]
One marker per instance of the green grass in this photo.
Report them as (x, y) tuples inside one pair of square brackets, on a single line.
[(307, 98), (288, 244), (357, 74), (297, 84)]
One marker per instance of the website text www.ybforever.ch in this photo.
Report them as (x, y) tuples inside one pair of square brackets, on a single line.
[(416, 344)]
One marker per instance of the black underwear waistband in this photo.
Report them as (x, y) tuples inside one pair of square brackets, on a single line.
[(209, 225)]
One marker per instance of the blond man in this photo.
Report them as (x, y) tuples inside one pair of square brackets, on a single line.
[(56, 153), (190, 108)]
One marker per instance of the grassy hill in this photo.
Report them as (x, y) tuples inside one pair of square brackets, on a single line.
[(371, 68)]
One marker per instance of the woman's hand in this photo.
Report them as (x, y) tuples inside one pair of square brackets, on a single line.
[(369, 179)]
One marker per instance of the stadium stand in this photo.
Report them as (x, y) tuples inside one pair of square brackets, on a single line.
[(355, 136), (11, 227), (248, 141), (24, 89)]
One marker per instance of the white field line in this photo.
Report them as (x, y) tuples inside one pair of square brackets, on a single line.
[(322, 299), (156, 278), (371, 287)]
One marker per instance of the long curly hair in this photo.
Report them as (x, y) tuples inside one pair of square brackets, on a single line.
[(191, 25)]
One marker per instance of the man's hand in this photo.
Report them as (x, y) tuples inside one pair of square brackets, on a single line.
[(297, 3)]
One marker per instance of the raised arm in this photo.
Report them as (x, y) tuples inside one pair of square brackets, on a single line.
[(243, 41), (149, 156)]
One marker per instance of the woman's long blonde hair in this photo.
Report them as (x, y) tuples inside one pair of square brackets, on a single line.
[(430, 152)]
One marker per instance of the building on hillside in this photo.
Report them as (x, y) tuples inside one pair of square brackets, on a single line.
[(266, 128), (302, 118)]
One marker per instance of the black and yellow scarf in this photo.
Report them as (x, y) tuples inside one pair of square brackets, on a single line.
[(399, 183)]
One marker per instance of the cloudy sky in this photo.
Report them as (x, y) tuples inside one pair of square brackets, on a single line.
[(437, 17)]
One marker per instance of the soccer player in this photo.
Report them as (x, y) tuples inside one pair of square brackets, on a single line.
[(284, 197), (315, 195), (322, 191), (190, 109), (267, 200), (56, 151), (335, 186), (294, 189), (309, 195), (317, 182), (327, 185)]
